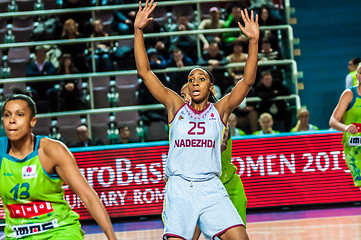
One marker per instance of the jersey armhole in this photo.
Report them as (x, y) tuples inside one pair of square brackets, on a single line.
[(354, 94), (176, 113)]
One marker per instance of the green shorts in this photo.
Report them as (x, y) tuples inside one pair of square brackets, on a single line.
[(69, 232), (353, 161), (238, 197)]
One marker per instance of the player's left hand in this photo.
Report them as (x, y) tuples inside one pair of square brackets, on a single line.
[(251, 28)]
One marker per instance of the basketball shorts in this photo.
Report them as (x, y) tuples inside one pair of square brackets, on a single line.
[(353, 161), (202, 203)]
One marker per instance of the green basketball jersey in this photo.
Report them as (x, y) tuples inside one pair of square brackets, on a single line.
[(352, 115), (33, 200), (228, 169)]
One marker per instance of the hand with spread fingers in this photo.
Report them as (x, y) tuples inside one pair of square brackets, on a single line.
[(251, 28), (142, 18)]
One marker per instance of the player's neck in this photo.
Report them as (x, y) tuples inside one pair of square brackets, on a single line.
[(199, 106), (22, 147)]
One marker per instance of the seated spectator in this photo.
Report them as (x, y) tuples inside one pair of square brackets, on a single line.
[(123, 22), (82, 133), (213, 22), (232, 122), (178, 59), (187, 43), (247, 116), (102, 50), (70, 31), (351, 79), (159, 43), (266, 123), (232, 22), (267, 89), (156, 61), (213, 57), (44, 93), (124, 135), (303, 124), (82, 18), (267, 53), (264, 17), (70, 94), (237, 56)]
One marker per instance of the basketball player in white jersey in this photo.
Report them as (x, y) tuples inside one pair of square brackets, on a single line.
[(194, 192)]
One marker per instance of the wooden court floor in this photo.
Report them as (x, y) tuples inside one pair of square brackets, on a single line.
[(322, 228)]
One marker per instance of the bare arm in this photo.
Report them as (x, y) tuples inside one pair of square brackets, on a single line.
[(164, 95), (336, 117), (67, 169), (251, 29)]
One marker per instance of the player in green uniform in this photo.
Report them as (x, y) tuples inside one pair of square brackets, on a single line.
[(348, 109), (231, 181), (32, 170)]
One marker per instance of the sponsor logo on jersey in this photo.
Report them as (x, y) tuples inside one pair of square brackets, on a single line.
[(201, 143), (29, 172), (354, 141), (29, 210), (212, 117), (181, 117), (30, 229), (8, 174)]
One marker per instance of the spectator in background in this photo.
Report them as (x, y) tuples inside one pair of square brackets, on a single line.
[(264, 17), (82, 18), (187, 43), (70, 94), (156, 61), (82, 133), (266, 123), (267, 53), (178, 59), (267, 89), (351, 79), (303, 124), (124, 135), (102, 50), (123, 22), (76, 50), (247, 116), (237, 56), (232, 122), (213, 22), (232, 22), (44, 93), (213, 58), (160, 44)]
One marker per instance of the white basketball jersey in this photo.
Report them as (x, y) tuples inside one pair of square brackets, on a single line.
[(195, 144)]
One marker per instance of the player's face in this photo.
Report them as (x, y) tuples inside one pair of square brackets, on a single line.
[(185, 94), (199, 85), (18, 119), (358, 75)]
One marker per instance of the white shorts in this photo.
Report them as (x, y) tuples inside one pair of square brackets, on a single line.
[(204, 203)]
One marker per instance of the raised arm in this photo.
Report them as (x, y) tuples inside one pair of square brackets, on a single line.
[(67, 169), (251, 29), (164, 95), (336, 117)]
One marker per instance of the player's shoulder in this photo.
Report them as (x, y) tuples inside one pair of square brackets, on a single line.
[(51, 146)]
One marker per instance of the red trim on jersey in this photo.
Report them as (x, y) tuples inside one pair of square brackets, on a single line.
[(225, 230), (177, 112), (29, 210), (165, 236), (221, 117), (197, 111)]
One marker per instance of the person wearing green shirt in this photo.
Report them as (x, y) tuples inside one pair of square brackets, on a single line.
[(347, 118), (303, 124), (266, 123), (32, 171)]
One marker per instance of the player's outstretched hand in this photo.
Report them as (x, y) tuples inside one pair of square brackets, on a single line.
[(251, 28), (142, 18)]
